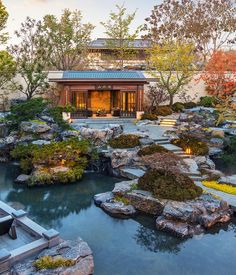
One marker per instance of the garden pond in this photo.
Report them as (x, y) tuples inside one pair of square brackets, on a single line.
[(123, 247)]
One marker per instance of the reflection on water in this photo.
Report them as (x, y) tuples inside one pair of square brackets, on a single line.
[(123, 247)]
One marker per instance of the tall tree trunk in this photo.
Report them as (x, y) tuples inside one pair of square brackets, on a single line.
[(171, 99)]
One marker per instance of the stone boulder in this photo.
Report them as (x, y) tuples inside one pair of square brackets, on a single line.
[(121, 188), (212, 174), (123, 157), (41, 142), (118, 209), (69, 134), (98, 136), (76, 250), (116, 128), (231, 180), (204, 162), (103, 197), (146, 141), (22, 179), (4, 130), (218, 134), (34, 127), (144, 201), (178, 229), (186, 218)]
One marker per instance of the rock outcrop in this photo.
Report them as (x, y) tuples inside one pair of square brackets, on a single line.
[(185, 219), (76, 250)]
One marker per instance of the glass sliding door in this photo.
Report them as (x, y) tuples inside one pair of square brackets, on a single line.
[(128, 104), (79, 99)]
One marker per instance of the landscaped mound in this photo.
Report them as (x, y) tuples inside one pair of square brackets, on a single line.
[(151, 149), (125, 141), (167, 185), (61, 162), (197, 147)]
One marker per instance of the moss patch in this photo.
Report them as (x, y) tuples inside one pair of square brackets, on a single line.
[(168, 185), (48, 262), (125, 141)]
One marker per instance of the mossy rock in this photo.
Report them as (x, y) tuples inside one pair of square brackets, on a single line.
[(151, 149), (125, 141), (169, 185)]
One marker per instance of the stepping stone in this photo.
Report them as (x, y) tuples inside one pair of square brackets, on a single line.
[(132, 173)]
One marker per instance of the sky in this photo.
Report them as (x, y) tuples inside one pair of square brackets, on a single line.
[(94, 11)]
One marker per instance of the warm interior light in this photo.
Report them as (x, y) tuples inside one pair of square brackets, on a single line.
[(188, 151)]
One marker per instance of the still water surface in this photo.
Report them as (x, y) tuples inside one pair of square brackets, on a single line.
[(124, 247)]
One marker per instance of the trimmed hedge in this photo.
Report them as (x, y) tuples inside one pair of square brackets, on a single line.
[(149, 116), (124, 141), (207, 101), (190, 105), (177, 107), (151, 149), (167, 185), (163, 111), (198, 147)]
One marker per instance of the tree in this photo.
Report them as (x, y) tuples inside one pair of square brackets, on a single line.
[(31, 58), (156, 95), (220, 74), (120, 38), (173, 66), (68, 40), (209, 24), (3, 22)]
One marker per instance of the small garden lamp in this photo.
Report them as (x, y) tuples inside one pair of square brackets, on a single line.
[(188, 151)]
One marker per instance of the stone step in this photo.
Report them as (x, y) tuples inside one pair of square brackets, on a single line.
[(132, 173), (169, 119), (172, 147), (162, 142), (196, 178)]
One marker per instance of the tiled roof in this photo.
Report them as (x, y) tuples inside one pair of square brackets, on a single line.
[(104, 43), (103, 75)]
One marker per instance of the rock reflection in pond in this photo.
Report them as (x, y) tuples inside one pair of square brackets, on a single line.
[(148, 237)]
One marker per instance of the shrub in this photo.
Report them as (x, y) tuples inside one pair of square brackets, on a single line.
[(221, 187), (207, 101), (151, 149), (149, 116), (177, 107), (189, 105), (72, 154), (56, 113), (125, 141), (26, 111), (163, 111), (48, 262), (167, 161), (173, 186), (198, 147)]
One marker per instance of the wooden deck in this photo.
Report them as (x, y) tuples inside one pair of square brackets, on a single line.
[(23, 238)]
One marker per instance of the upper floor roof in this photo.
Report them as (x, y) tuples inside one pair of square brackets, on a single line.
[(103, 43)]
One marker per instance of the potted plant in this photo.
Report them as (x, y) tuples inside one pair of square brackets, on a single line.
[(101, 112)]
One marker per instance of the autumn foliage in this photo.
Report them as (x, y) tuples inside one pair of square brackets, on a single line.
[(220, 74)]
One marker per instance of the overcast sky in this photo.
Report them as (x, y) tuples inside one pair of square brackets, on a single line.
[(94, 11)]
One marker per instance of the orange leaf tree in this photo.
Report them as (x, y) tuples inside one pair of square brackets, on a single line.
[(220, 74)]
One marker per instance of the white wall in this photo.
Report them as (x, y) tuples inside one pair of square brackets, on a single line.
[(195, 89)]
